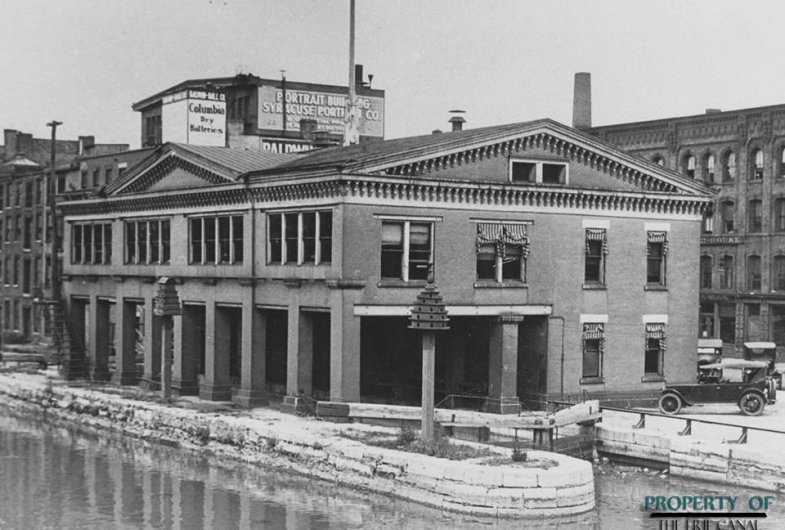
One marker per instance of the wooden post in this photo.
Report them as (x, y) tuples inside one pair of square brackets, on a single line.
[(428, 372), (167, 334)]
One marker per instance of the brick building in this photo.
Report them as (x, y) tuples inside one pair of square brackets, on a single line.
[(566, 266), (25, 259), (740, 154)]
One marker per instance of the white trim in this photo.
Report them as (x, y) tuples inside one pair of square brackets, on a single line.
[(593, 319), (367, 310), (415, 218), (657, 227), (655, 319), (499, 221), (596, 223)]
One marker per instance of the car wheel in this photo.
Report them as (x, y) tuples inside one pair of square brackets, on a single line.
[(670, 403), (751, 404)]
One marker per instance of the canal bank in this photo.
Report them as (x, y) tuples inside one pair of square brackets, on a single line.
[(323, 450)]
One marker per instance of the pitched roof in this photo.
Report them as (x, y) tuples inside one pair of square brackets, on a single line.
[(388, 156)]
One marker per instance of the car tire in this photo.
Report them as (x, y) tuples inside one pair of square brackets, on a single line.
[(670, 403), (752, 404)]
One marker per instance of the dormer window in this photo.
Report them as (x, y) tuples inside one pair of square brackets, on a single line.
[(539, 172)]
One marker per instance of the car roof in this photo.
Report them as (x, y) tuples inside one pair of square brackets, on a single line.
[(736, 363)]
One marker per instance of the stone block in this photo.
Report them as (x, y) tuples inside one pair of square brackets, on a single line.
[(505, 497), (486, 475), (463, 493), (520, 478)]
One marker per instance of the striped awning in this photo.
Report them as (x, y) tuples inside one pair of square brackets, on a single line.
[(658, 237), (593, 331), (597, 234), (513, 234)]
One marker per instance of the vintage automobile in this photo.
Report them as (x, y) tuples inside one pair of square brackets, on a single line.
[(745, 383), (766, 352)]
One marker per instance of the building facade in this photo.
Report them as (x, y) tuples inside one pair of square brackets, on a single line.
[(741, 155), (25, 226), (565, 265)]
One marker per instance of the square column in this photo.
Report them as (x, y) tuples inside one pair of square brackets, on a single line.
[(152, 345), (299, 357), (188, 334), (99, 345), (125, 351), (217, 384), (253, 346), (503, 365), (344, 349)]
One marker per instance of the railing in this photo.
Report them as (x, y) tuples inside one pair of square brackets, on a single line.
[(689, 421)]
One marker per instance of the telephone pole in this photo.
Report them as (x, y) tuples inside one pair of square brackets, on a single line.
[(49, 204)]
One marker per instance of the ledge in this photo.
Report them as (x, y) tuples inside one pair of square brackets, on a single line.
[(345, 284), (653, 379), (416, 284), (592, 381), (594, 287), (490, 284), (655, 287)]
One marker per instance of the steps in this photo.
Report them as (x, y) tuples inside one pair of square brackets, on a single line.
[(68, 351)]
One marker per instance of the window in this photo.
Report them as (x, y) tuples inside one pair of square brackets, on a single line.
[(728, 213), (708, 222), (502, 249), (753, 273), (726, 272), (706, 320), (781, 163), (779, 214), (708, 165), (299, 237), (596, 250), (407, 250), (538, 172), (755, 215), (29, 194), (778, 273), (83, 179), (689, 166), (593, 345), (729, 167), (753, 322), (96, 177), (777, 313), (756, 166), (705, 272), (91, 243), (214, 240), (655, 349), (656, 253), (28, 232), (147, 242), (107, 176)]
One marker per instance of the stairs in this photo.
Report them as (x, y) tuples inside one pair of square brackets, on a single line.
[(68, 350)]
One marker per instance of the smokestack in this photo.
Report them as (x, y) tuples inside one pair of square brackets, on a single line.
[(581, 103), (457, 120)]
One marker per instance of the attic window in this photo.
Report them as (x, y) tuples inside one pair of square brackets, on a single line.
[(537, 172)]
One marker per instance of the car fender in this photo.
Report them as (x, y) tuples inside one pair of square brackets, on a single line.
[(684, 400)]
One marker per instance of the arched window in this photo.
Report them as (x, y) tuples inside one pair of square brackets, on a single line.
[(725, 271), (779, 214), (729, 166), (706, 265), (689, 166), (708, 166), (778, 273), (755, 212), (756, 164), (753, 273)]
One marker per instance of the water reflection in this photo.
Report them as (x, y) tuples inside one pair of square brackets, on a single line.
[(54, 477)]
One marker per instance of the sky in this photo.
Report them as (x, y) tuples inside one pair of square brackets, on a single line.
[(85, 62)]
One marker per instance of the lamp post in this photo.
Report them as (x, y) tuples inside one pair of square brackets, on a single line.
[(429, 315)]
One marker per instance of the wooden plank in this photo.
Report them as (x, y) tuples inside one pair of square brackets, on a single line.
[(581, 412), (327, 408)]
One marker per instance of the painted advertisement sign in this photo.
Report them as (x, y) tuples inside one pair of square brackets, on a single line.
[(326, 108), (195, 117)]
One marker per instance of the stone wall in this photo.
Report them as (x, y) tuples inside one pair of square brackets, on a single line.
[(310, 448)]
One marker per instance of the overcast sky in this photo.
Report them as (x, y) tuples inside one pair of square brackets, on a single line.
[(85, 62)]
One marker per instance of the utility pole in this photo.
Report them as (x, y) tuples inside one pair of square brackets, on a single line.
[(49, 203), (350, 132), (283, 99)]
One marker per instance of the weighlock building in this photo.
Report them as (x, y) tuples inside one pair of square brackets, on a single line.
[(566, 265)]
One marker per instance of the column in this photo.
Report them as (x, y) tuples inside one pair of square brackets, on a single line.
[(503, 365), (99, 343), (188, 334), (299, 357), (152, 345), (456, 358), (125, 349), (253, 347), (216, 385), (344, 349)]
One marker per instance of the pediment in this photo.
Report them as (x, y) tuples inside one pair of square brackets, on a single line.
[(171, 172)]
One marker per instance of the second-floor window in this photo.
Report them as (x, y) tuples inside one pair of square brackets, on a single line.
[(705, 272), (216, 240), (779, 214), (596, 250), (753, 273), (502, 249), (656, 254), (778, 273), (91, 243), (147, 242), (727, 213), (300, 237), (593, 345), (655, 349), (407, 249), (725, 271), (755, 215)]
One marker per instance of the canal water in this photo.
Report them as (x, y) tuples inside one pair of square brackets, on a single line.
[(54, 477)]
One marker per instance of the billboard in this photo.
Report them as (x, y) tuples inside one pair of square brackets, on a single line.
[(328, 109), (195, 117)]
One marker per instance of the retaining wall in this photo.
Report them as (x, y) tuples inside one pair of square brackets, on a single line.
[(311, 448)]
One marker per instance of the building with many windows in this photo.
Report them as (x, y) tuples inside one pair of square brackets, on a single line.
[(566, 266), (740, 154)]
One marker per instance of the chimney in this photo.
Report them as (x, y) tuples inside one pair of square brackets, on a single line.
[(9, 139), (581, 103), (457, 120), (24, 144), (86, 143)]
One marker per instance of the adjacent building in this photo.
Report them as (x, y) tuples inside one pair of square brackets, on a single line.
[(567, 267), (740, 154)]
